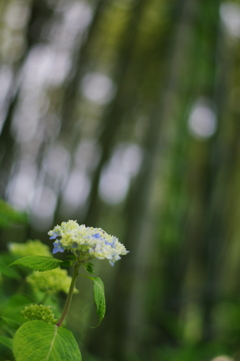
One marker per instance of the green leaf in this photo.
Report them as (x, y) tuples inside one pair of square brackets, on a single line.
[(38, 263), (37, 340), (99, 297), (89, 267), (10, 322), (6, 271), (13, 307), (6, 341), (66, 263)]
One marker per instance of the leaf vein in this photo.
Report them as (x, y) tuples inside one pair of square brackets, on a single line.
[(52, 343)]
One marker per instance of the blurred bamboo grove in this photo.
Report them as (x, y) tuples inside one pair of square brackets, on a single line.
[(125, 115)]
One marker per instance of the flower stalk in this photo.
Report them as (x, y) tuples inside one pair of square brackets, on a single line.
[(70, 294)]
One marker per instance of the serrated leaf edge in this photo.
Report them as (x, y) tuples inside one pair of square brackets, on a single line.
[(18, 262)]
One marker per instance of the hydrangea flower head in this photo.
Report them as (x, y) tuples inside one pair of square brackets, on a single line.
[(88, 240)]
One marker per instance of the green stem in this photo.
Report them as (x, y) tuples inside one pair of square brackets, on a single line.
[(70, 294)]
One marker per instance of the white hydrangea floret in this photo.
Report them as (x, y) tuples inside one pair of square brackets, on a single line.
[(93, 241)]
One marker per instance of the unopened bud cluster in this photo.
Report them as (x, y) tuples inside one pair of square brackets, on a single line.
[(39, 312), (30, 248), (56, 280)]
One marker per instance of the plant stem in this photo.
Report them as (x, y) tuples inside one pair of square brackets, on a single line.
[(70, 294)]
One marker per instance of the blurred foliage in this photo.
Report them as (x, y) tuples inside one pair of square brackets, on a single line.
[(9, 216), (16, 294)]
